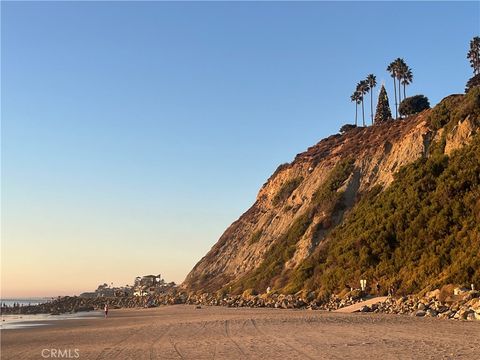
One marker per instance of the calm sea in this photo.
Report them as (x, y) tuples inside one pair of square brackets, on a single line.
[(20, 320)]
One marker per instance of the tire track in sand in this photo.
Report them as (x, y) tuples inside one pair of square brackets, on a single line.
[(153, 354), (229, 336), (202, 329), (281, 341), (176, 348), (174, 344), (114, 350)]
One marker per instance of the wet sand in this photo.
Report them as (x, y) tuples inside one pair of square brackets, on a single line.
[(183, 332)]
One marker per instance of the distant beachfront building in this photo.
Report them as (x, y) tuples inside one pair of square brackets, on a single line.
[(142, 286), (106, 290), (140, 293), (148, 285), (148, 280), (91, 294)]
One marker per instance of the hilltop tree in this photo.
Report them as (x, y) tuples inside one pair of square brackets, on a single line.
[(362, 89), (413, 105), (400, 69), (356, 97), (473, 82), (407, 79), (392, 69), (383, 112), (347, 127), (474, 55), (372, 82)]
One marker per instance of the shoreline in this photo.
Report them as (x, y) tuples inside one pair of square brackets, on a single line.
[(13, 322)]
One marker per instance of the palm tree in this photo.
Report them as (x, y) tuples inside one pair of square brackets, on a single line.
[(362, 89), (474, 55), (355, 97), (392, 69), (400, 69), (407, 78), (397, 69), (372, 82)]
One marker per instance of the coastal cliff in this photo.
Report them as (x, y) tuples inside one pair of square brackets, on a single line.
[(289, 239)]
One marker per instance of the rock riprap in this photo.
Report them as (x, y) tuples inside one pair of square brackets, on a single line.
[(462, 306)]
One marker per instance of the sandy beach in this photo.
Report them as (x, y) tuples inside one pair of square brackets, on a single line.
[(184, 332)]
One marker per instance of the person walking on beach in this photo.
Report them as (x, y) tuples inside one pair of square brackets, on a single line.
[(106, 310)]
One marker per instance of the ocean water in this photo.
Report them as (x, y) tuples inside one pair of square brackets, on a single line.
[(21, 321), (24, 301), (9, 322)]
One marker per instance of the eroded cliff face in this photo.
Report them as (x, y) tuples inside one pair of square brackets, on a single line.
[(376, 153)]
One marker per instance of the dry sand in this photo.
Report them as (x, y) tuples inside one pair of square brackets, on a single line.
[(183, 332)]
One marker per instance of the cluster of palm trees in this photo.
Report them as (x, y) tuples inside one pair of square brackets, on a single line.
[(401, 72), (363, 87)]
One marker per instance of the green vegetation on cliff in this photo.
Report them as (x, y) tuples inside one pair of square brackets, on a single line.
[(286, 190), (324, 232), (275, 258), (421, 232), (327, 199)]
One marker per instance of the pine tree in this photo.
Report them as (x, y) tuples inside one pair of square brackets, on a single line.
[(383, 107)]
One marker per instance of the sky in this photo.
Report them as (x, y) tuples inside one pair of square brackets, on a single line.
[(134, 133)]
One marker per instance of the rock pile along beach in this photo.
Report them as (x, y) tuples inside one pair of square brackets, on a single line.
[(465, 305)]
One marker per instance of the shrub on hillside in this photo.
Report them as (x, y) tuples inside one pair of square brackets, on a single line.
[(413, 105), (275, 258), (347, 127), (420, 233), (249, 292), (255, 237), (455, 108), (443, 112), (473, 82), (286, 190)]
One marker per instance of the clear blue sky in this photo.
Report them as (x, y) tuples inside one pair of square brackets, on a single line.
[(133, 134)]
